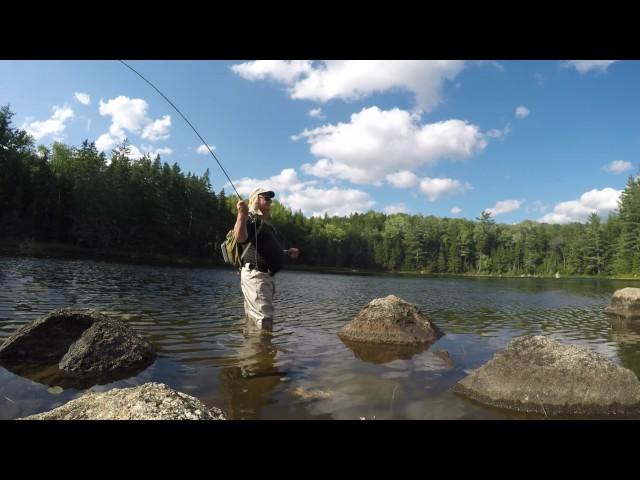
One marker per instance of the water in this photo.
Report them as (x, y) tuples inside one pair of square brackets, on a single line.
[(194, 318)]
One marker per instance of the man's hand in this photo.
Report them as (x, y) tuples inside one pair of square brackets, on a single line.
[(243, 211)]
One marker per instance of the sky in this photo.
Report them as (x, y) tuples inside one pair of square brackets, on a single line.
[(548, 141)]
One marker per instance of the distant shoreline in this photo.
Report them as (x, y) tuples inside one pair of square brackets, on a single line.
[(72, 252)]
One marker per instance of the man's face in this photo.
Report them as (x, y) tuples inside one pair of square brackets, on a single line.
[(264, 203)]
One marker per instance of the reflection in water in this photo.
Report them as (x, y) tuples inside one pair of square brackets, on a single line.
[(52, 376), (384, 353), (626, 333), (247, 386)]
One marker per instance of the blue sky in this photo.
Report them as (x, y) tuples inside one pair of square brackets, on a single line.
[(548, 141)]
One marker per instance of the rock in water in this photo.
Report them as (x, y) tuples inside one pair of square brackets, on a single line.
[(539, 375), (151, 401), (625, 303), (390, 320)]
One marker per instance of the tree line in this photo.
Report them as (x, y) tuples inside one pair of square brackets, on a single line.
[(79, 196)]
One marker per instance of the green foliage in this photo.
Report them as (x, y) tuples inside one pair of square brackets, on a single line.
[(82, 197)]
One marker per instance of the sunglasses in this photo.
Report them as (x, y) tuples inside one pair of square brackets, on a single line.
[(266, 199)]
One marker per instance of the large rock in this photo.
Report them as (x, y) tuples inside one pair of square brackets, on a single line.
[(151, 401), (538, 375), (108, 347), (625, 303), (390, 320), (76, 348), (47, 339)]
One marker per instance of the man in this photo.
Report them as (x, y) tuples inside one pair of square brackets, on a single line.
[(262, 260)]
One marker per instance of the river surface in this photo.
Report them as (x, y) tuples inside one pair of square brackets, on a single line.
[(302, 370)]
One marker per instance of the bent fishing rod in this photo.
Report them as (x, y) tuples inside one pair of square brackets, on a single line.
[(186, 120), (192, 128)]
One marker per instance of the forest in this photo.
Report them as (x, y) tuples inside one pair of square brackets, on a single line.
[(78, 196)]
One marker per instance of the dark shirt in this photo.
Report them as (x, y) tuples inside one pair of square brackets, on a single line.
[(270, 249)]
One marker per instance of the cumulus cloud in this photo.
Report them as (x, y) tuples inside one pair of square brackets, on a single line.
[(53, 126), (618, 166), (158, 129), (522, 112), (83, 98), (316, 113), (202, 149), (376, 143), (435, 188), (601, 202), (334, 201), (396, 208), (584, 66), (153, 151), (286, 180), (130, 115), (303, 195), (504, 206), (403, 179), (285, 71), (456, 210), (356, 79)]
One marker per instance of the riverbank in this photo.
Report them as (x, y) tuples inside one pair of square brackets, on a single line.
[(65, 251), (73, 252)]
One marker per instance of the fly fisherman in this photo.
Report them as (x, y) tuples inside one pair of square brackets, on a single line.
[(262, 260)]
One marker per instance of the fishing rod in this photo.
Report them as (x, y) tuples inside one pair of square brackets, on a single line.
[(186, 120), (196, 132)]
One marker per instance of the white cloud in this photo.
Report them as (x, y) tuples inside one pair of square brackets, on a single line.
[(130, 115), (158, 129), (601, 202), (435, 188), (153, 151), (584, 66), (396, 208), (522, 112), (54, 126), (356, 79), (83, 98), (504, 206), (126, 114), (286, 71), (499, 134), (618, 166), (286, 180), (316, 113), (403, 179), (202, 149), (456, 210), (304, 196), (376, 143), (106, 142), (334, 201)]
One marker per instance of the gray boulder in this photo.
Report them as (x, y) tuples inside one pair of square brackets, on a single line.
[(390, 320), (47, 339), (538, 375), (625, 303), (151, 401), (76, 348), (108, 346)]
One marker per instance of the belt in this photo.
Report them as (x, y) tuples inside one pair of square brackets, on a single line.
[(253, 266)]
